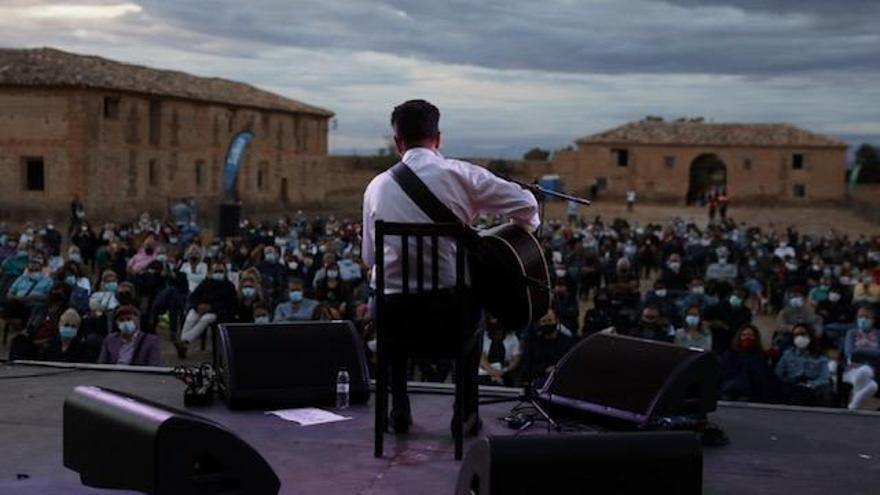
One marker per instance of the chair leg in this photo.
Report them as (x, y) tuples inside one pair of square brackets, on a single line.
[(381, 409), (458, 413)]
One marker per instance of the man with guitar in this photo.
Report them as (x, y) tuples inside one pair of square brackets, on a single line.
[(466, 190)]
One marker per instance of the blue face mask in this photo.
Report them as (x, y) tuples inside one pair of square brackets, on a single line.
[(248, 291), (296, 296), (864, 324), (219, 276), (110, 286), (67, 332), (75, 257), (70, 280), (260, 320), (692, 320), (127, 327), (735, 301)]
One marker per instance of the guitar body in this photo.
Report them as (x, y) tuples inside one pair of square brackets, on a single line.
[(511, 275)]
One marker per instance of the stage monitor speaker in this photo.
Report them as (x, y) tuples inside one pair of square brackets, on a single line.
[(229, 221), (117, 440), (634, 380), (601, 463), (290, 364)]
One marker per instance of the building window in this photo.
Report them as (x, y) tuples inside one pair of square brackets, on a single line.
[(800, 191), (747, 164), (622, 157), (155, 121), (797, 161), (200, 171), (111, 107), (601, 183), (34, 174), (153, 174), (669, 161), (261, 179)]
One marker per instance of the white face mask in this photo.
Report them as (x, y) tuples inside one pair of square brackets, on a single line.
[(796, 302), (801, 342), (834, 297)]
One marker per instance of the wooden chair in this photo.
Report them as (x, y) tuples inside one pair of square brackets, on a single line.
[(387, 341)]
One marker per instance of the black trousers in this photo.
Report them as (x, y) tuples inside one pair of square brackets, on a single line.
[(430, 325)]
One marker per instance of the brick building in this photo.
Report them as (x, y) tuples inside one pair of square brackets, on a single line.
[(128, 139), (679, 161)]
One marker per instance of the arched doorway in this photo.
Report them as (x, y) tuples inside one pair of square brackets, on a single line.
[(708, 174)]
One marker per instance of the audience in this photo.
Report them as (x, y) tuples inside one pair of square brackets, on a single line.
[(703, 286)]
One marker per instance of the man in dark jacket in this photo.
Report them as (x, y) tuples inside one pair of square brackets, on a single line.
[(214, 300)]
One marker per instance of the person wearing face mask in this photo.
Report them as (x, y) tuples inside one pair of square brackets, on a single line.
[(250, 295), (794, 275), (803, 370), (143, 257), (194, 268), (675, 277), (745, 375), (29, 290), (652, 326), (724, 317), (129, 345), (661, 298), (214, 300), (332, 286), (70, 344), (80, 289), (722, 270), (273, 275), (798, 310), (298, 307), (104, 299), (693, 334), (546, 344), (838, 315), (861, 353), (17, 262), (696, 296), (262, 314), (53, 239), (601, 316)]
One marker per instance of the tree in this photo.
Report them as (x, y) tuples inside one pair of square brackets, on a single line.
[(537, 154), (868, 157), (500, 167)]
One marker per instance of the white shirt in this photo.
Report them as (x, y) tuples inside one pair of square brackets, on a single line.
[(194, 275), (511, 349), (468, 190)]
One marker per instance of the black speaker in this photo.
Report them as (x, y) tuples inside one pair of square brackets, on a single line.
[(228, 223), (601, 463), (290, 364), (117, 440), (634, 380)]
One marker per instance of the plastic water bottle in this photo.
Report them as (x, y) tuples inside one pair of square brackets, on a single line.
[(342, 389)]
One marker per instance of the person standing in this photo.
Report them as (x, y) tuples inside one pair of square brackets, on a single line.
[(77, 214), (630, 200)]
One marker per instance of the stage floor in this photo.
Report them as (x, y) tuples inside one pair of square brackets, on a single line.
[(772, 450)]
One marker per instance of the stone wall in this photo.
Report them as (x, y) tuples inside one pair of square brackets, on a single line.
[(662, 173), (865, 202), (149, 152)]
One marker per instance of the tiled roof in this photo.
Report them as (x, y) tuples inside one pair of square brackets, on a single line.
[(711, 134), (56, 68)]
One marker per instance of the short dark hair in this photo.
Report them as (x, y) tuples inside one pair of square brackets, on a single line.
[(415, 121)]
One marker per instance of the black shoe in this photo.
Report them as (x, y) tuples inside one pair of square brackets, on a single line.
[(473, 431), (400, 421)]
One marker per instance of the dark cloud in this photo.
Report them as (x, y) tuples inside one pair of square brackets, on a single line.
[(747, 37)]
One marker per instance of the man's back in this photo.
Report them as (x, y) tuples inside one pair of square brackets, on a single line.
[(467, 190)]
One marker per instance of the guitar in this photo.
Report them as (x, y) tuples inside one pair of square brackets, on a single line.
[(507, 265), (510, 275)]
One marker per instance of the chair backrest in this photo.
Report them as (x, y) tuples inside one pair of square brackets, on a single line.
[(423, 290), (418, 233)]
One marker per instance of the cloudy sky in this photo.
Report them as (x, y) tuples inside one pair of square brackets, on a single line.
[(506, 75)]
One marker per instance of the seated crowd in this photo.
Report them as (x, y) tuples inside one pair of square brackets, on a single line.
[(105, 297)]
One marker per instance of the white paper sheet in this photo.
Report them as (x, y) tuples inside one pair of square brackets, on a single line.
[(308, 416)]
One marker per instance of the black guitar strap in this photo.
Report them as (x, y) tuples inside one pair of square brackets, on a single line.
[(416, 189)]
